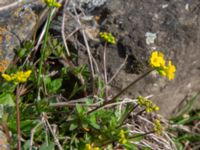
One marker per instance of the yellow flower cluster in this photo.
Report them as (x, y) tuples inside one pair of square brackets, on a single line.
[(158, 127), (19, 77), (90, 147), (150, 107), (52, 3), (157, 61), (122, 137), (108, 37)]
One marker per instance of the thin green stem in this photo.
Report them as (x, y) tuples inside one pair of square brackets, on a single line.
[(126, 114), (122, 91), (140, 135), (43, 50)]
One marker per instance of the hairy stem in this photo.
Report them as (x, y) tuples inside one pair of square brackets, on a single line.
[(18, 118)]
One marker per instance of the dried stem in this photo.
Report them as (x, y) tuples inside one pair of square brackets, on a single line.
[(63, 27), (32, 134), (53, 134), (105, 71), (86, 44), (117, 72)]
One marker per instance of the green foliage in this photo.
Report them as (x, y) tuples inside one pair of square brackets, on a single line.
[(186, 118), (6, 99), (76, 126), (48, 116), (52, 85)]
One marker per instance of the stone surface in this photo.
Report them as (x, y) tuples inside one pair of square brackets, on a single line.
[(16, 25), (176, 25)]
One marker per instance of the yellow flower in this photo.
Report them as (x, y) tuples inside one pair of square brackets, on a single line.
[(171, 69), (158, 127), (18, 77), (108, 37), (89, 147), (157, 59), (122, 137), (6, 77), (52, 3)]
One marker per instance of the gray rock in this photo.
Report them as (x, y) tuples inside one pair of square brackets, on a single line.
[(176, 25), (16, 25)]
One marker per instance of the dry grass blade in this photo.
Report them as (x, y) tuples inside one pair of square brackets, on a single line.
[(63, 27)]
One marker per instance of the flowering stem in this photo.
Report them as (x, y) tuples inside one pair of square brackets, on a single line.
[(43, 50), (139, 135), (140, 112), (122, 91), (126, 114)]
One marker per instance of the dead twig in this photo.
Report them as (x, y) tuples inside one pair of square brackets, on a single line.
[(72, 33), (117, 72), (32, 134), (16, 4), (86, 43), (105, 71), (53, 134), (63, 27)]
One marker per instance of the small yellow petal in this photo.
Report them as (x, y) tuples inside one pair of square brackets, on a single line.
[(6, 77)]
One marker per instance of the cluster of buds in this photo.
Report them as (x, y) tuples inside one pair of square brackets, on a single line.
[(149, 106), (108, 37), (122, 137), (52, 3), (158, 129)]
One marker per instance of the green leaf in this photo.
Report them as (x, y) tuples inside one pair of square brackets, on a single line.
[(22, 52), (189, 137), (146, 148), (188, 120), (55, 85), (47, 81), (79, 109), (76, 89), (130, 146), (7, 99), (93, 123), (187, 108), (179, 145), (54, 42), (137, 137), (85, 125), (51, 146), (73, 126), (7, 87), (26, 145)]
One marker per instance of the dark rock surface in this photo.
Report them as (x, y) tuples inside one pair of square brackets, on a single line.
[(176, 26)]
